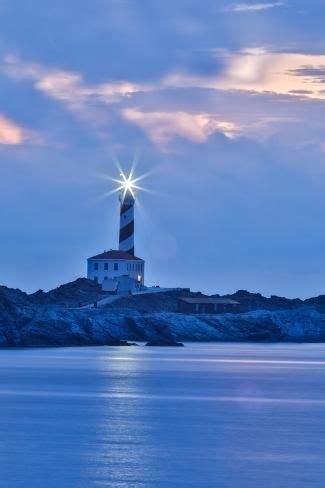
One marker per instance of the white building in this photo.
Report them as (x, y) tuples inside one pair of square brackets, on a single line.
[(117, 271)]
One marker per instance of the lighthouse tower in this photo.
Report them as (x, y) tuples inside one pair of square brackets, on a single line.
[(120, 271), (126, 240)]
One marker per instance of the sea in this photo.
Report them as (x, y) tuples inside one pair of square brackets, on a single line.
[(205, 415)]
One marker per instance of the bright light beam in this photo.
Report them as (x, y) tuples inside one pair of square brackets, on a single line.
[(127, 183)]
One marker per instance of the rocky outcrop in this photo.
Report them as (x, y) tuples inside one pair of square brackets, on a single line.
[(75, 294), (54, 327), (164, 343), (15, 313), (54, 319), (255, 301)]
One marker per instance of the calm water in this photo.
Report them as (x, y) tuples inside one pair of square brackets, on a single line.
[(210, 415)]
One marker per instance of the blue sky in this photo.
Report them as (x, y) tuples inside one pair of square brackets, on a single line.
[(222, 101)]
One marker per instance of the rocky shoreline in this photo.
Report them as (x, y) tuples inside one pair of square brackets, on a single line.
[(56, 319)]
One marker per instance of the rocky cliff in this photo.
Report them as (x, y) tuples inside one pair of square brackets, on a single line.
[(56, 319)]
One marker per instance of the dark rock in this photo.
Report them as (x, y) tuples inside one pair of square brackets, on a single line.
[(75, 294), (255, 301), (320, 300), (164, 343)]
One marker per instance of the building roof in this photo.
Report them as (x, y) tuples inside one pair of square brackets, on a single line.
[(207, 300), (116, 255)]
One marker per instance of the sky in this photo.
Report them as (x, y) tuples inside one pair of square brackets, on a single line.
[(222, 105)]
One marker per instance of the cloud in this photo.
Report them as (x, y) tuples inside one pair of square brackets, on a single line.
[(11, 133), (309, 72), (261, 71), (250, 97), (254, 7), (68, 87), (255, 70), (301, 92), (161, 127)]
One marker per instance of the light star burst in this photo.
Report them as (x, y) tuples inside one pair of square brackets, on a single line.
[(127, 183)]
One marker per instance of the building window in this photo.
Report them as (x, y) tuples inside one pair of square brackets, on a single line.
[(96, 266), (115, 266), (106, 266), (96, 279), (105, 278)]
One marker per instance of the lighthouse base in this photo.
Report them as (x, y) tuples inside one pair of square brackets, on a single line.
[(122, 285)]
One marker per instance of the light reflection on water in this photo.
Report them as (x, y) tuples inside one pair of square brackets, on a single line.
[(228, 415)]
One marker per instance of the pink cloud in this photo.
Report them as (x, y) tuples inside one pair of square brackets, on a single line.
[(161, 127), (261, 71), (11, 133), (68, 87)]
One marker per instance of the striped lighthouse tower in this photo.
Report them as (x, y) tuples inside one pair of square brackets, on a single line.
[(127, 222)]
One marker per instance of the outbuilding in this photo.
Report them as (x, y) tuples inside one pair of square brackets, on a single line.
[(209, 305)]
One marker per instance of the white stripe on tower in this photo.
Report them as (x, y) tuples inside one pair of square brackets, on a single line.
[(127, 223)]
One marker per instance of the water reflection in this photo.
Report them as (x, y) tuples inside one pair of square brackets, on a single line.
[(124, 452)]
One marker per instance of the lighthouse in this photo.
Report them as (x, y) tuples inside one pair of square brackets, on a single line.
[(126, 239), (120, 271)]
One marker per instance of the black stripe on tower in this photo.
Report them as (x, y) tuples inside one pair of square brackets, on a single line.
[(125, 207), (127, 231)]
